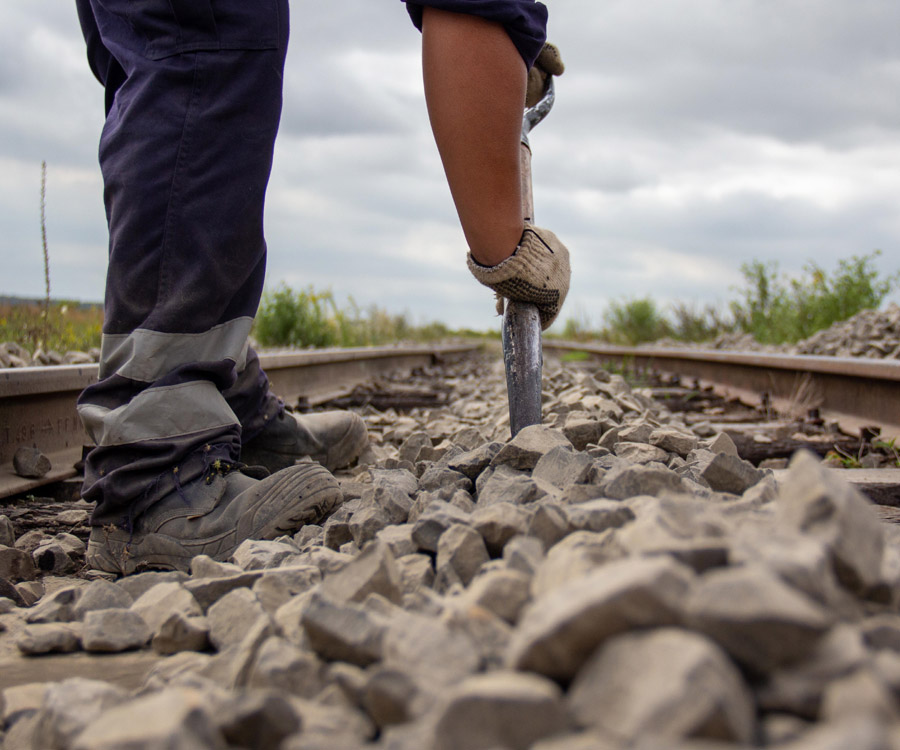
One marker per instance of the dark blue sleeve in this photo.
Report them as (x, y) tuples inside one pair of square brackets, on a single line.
[(524, 20)]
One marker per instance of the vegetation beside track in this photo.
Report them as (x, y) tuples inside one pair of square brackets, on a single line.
[(770, 306)]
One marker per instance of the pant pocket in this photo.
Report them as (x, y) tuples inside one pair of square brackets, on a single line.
[(173, 27)]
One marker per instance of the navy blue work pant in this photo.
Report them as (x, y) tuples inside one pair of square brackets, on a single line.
[(193, 102), (193, 99)]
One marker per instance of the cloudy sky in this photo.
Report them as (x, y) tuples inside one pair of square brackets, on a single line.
[(689, 137)]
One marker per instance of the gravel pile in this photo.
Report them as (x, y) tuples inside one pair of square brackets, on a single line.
[(608, 580), (871, 333)]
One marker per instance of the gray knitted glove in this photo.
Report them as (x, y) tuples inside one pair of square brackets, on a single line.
[(538, 272), (548, 63)]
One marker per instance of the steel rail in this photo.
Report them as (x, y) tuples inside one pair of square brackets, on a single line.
[(37, 404), (855, 392)]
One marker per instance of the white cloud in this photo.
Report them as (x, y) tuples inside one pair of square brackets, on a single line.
[(689, 137)]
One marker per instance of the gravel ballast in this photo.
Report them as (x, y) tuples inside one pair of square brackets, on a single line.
[(558, 591)]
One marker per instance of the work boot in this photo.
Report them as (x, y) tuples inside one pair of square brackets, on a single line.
[(212, 515), (332, 438)]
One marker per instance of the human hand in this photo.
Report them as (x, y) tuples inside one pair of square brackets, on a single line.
[(538, 272), (548, 63)]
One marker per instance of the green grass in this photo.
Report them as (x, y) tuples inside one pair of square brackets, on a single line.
[(770, 306), (65, 325), (306, 317)]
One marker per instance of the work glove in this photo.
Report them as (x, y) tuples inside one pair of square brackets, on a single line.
[(548, 63), (537, 272)]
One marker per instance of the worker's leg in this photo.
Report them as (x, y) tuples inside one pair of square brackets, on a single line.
[(186, 151), (475, 90)]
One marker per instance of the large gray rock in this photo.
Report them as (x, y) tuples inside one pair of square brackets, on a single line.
[(631, 480), (399, 539), (416, 572), (524, 554), (101, 594), (413, 446), (562, 466), (260, 719), (527, 447), (499, 523), (636, 433), (29, 462), (503, 592), (114, 630), (440, 477), (282, 666), (668, 683), (7, 532), (640, 453), (674, 440), (797, 689), (436, 519), (473, 462), (580, 553), (277, 586), (344, 632), (179, 633), (157, 604), (393, 500), (70, 706), (822, 506), (258, 554), (500, 709), (56, 607), (207, 591), (51, 558), (560, 629), (757, 618), (30, 540), (49, 638), (367, 522), (727, 473), (598, 515), (171, 719), (693, 532), (435, 654), (137, 585), (581, 430), (16, 565), (373, 571), (233, 616), (549, 523), (389, 696), (461, 549), (505, 484), (801, 561), (862, 693)]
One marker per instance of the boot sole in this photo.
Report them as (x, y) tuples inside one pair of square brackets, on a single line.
[(315, 495)]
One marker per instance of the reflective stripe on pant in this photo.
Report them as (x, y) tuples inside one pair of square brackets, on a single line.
[(524, 20), (194, 91)]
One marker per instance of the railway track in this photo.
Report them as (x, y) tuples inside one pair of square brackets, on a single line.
[(469, 562), (856, 393), (37, 405)]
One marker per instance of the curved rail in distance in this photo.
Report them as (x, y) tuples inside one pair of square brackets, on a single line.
[(855, 392)]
